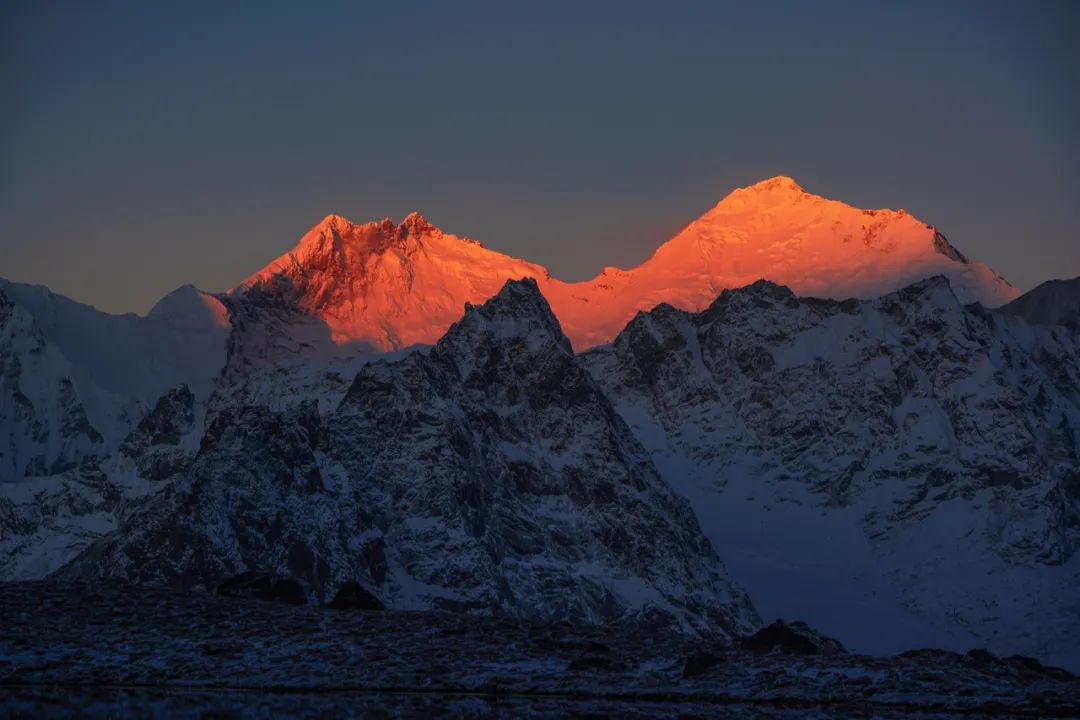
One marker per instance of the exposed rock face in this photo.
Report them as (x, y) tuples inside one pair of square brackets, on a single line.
[(171, 419), (909, 463), (250, 501), (257, 586), (383, 285), (354, 596), (489, 474), (796, 638), (154, 443)]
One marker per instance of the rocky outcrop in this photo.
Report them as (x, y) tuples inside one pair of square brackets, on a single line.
[(154, 443), (354, 596), (909, 457), (796, 638), (489, 474), (253, 585)]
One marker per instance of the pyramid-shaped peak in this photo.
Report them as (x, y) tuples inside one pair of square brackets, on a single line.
[(935, 290), (416, 224), (338, 222), (519, 310), (516, 297), (758, 292)]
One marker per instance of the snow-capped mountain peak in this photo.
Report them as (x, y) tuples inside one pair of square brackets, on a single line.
[(776, 230), (415, 223), (779, 188), (518, 317), (389, 285), (780, 228), (518, 311), (187, 306)]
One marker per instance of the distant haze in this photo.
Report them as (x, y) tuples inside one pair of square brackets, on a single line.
[(142, 148)]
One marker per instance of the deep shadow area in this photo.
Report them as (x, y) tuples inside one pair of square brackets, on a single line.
[(106, 650)]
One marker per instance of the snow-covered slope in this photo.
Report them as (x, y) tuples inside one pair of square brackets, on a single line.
[(74, 384), (385, 287), (121, 364), (1055, 302), (42, 416), (898, 472), (777, 231), (489, 474), (382, 285)]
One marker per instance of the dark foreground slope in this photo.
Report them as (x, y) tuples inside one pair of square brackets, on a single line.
[(120, 650)]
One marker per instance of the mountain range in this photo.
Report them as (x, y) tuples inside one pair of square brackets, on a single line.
[(794, 408), (391, 286)]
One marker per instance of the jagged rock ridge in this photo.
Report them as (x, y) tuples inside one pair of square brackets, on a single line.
[(488, 474), (909, 462)]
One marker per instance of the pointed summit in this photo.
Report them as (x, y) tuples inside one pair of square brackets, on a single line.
[(335, 221), (415, 223), (386, 285), (519, 311), (778, 184)]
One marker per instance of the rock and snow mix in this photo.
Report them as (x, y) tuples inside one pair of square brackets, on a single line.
[(385, 287), (488, 474), (909, 463), (899, 471)]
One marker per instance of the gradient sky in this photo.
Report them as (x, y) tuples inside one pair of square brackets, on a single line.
[(144, 146)]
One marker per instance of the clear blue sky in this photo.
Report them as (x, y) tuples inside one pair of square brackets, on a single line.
[(147, 145)]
